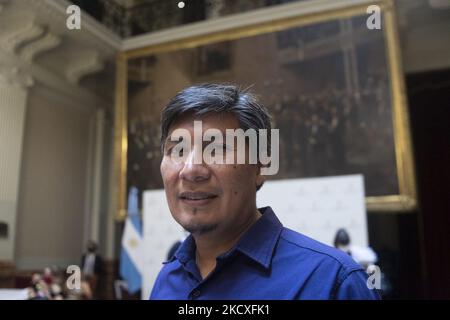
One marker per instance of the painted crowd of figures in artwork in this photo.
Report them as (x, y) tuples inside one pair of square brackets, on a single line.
[(326, 86)]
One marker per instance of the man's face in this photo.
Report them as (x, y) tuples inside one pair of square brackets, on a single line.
[(206, 197)]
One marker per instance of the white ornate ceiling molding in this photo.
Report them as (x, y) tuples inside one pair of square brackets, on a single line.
[(82, 65), (35, 41), (25, 20), (16, 37), (53, 82), (43, 44), (15, 76), (93, 31)]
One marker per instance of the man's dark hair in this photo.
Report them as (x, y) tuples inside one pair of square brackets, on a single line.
[(207, 98)]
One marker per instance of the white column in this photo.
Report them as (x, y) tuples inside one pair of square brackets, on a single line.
[(97, 175), (94, 178), (112, 202), (13, 99)]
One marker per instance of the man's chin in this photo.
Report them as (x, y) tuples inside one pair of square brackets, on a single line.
[(200, 228)]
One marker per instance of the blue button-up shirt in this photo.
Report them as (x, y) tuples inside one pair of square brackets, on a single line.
[(268, 262)]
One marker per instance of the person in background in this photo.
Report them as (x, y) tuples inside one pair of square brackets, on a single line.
[(92, 266), (48, 276), (365, 256)]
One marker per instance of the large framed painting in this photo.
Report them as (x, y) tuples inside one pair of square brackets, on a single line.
[(334, 88)]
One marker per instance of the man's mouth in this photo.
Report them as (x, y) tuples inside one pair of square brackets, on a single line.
[(197, 197)]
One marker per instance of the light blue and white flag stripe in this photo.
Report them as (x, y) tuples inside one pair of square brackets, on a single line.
[(131, 256)]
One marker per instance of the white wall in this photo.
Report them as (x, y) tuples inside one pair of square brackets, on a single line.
[(12, 115), (53, 181), (51, 132)]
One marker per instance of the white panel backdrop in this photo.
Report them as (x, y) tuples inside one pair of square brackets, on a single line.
[(316, 207), (160, 232)]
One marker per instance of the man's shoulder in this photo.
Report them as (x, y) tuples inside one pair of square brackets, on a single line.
[(308, 248), (169, 265), (167, 268), (331, 271)]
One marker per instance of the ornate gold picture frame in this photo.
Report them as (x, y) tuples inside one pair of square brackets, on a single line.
[(212, 56)]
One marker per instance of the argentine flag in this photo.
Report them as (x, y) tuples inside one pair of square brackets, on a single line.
[(131, 256)]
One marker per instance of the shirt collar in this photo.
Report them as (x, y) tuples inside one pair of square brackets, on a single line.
[(185, 252), (257, 243)]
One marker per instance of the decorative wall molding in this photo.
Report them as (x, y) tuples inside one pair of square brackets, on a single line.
[(46, 43), (36, 46), (88, 24), (54, 82), (82, 65), (13, 75), (20, 35)]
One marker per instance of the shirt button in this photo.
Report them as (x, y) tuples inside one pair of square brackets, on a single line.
[(195, 293)]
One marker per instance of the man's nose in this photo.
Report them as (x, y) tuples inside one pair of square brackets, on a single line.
[(194, 168)]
